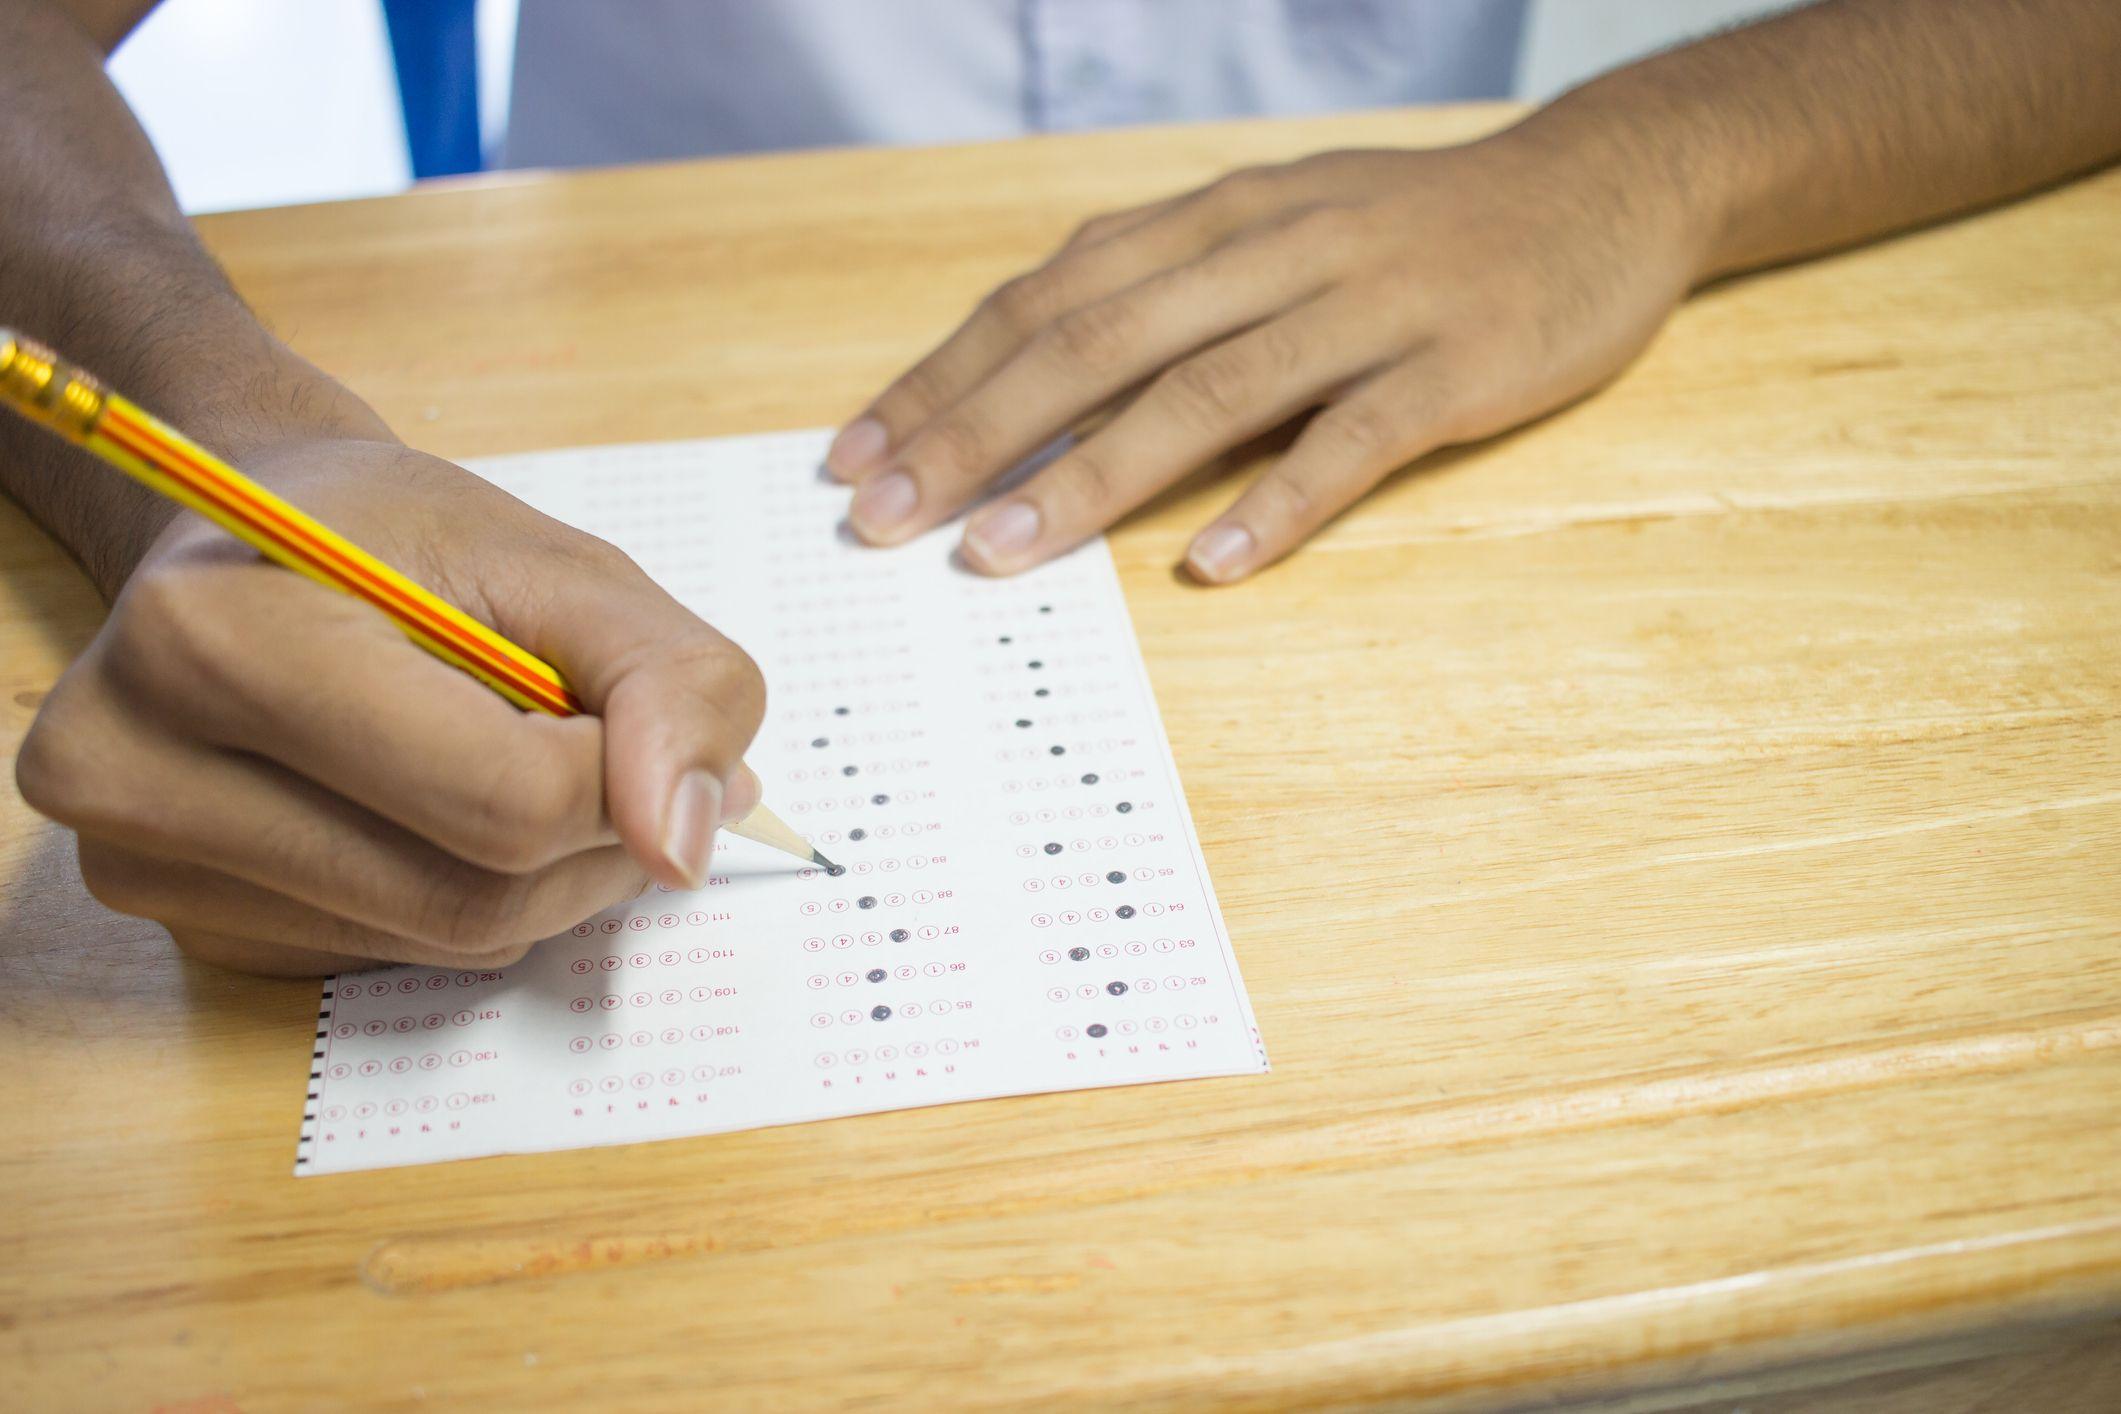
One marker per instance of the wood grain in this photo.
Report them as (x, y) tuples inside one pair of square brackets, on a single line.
[(1723, 993)]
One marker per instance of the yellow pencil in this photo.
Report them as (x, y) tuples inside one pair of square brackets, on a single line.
[(53, 393)]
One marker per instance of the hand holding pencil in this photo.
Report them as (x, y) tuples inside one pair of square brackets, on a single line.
[(286, 781)]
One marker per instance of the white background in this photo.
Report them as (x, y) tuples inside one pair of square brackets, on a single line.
[(265, 102)]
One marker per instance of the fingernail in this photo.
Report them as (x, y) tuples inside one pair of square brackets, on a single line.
[(1220, 552), (688, 827), (883, 503), (1003, 533), (859, 446), (742, 796)]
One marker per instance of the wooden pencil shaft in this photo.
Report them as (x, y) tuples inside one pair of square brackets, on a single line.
[(769, 829)]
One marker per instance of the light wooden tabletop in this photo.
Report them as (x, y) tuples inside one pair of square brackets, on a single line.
[(1675, 852)]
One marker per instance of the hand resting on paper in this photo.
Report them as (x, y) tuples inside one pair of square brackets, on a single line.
[(1413, 298), (1409, 300)]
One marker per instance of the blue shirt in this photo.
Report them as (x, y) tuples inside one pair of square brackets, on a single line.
[(599, 81)]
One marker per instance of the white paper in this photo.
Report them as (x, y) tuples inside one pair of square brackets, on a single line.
[(1026, 908)]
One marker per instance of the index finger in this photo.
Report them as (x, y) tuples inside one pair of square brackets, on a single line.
[(1096, 263)]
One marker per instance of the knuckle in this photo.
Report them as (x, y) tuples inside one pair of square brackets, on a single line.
[(1021, 305), (521, 815), (1242, 189), (1211, 391), (738, 697), (1291, 491), (505, 955), (1363, 428), (1098, 337), (1281, 349), (597, 553), (62, 767), (733, 686), (747, 687), (580, 553), (1435, 396), (1093, 230), (1326, 230), (164, 630), (720, 682), (470, 911), (1423, 387), (1090, 478), (912, 396), (155, 603), (565, 563), (180, 644), (43, 767), (956, 444)]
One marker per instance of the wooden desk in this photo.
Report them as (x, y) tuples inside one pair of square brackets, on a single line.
[(1728, 978)]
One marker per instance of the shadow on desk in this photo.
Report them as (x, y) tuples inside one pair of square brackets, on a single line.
[(75, 974), (2073, 1370)]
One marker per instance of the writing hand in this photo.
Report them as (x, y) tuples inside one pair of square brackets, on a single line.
[(286, 782)]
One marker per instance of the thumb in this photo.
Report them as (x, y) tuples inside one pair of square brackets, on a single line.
[(679, 704)]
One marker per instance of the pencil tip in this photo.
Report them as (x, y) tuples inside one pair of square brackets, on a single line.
[(822, 862)]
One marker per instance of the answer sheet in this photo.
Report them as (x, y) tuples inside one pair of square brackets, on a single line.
[(1024, 907)]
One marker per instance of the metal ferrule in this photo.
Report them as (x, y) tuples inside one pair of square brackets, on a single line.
[(47, 389)]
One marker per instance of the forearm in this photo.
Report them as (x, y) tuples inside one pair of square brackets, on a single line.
[(96, 258), (1853, 118)]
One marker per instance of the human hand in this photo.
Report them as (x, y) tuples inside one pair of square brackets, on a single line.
[(1419, 298), (280, 777)]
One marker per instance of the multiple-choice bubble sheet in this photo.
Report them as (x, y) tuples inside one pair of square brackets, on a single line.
[(1023, 906)]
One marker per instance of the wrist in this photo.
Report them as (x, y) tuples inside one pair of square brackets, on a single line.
[(249, 399), (237, 390), (1622, 144)]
